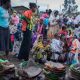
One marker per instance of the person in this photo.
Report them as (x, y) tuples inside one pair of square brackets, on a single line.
[(65, 19), (78, 18), (63, 31), (46, 26), (56, 47), (77, 30), (75, 49), (15, 18), (54, 19), (13, 30), (69, 38), (4, 26), (27, 32), (40, 26), (52, 30)]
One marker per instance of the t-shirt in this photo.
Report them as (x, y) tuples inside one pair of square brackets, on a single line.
[(4, 17)]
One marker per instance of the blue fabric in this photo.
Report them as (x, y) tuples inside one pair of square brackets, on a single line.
[(4, 17), (46, 21)]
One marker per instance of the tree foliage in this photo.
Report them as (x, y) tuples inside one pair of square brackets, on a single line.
[(70, 6)]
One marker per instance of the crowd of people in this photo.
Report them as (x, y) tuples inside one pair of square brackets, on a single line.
[(49, 36)]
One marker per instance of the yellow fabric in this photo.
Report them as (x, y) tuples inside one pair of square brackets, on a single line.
[(40, 45)]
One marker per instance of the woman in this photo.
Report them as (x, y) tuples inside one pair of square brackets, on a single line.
[(63, 31), (27, 32), (74, 51), (4, 26)]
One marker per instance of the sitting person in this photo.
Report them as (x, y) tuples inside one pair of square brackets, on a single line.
[(63, 31), (56, 47), (75, 50), (40, 51)]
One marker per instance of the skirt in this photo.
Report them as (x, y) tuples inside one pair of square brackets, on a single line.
[(25, 45), (4, 39)]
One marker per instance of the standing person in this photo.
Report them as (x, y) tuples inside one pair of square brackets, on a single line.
[(4, 26), (63, 31), (13, 30), (40, 26), (46, 26), (27, 32), (15, 18)]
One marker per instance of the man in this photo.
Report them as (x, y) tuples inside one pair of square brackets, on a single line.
[(27, 32)]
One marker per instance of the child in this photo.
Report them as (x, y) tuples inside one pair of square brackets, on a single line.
[(13, 30)]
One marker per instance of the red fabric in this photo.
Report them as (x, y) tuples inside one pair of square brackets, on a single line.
[(12, 38), (63, 32), (27, 14), (24, 25), (69, 41)]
